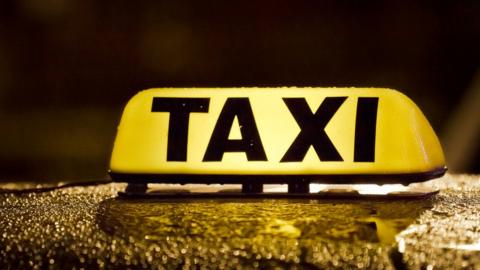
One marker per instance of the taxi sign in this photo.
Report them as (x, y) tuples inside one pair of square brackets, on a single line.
[(274, 135)]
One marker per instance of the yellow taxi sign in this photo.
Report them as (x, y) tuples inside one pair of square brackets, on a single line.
[(274, 135)]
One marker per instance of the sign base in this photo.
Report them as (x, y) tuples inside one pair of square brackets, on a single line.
[(256, 191)]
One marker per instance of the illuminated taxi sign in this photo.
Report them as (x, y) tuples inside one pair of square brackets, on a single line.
[(274, 135)]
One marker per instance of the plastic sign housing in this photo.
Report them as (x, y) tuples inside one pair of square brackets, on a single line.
[(274, 135)]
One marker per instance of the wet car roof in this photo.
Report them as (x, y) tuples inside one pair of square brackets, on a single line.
[(91, 227)]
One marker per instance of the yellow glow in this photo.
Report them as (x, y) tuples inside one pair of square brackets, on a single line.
[(405, 141), (364, 189)]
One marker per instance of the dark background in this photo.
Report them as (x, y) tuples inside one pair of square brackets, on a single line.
[(67, 67)]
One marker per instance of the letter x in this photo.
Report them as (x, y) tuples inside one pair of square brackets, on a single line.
[(312, 129)]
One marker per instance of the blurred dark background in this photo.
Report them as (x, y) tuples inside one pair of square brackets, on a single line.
[(67, 67)]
